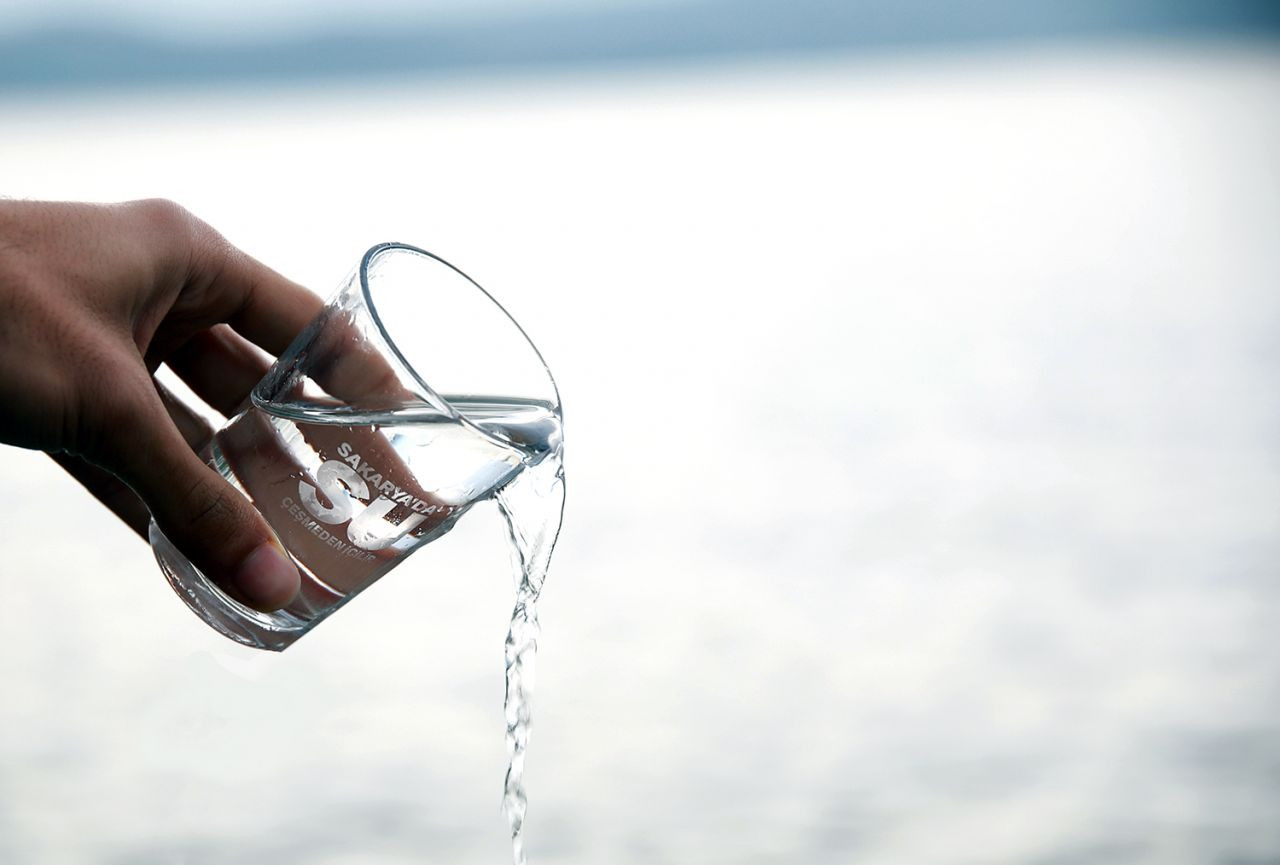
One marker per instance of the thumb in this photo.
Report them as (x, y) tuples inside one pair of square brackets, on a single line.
[(205, 517)]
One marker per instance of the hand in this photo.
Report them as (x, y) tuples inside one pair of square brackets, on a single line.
[(93, 298)]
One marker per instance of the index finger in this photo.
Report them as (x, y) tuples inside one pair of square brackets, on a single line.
[(265, 307), (270, 311)]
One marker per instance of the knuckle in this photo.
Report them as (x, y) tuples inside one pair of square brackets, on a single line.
[(162, 213), (211, 254), (385, 379), (183, 230), (210, 510)]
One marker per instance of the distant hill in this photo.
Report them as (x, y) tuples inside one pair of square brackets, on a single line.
[(97, 53)]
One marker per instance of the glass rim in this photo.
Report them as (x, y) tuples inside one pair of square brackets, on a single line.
[(380, 249)]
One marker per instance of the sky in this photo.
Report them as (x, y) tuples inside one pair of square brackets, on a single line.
[(142, 43), (233, 19)]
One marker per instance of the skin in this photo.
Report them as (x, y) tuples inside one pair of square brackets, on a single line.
[(93, 299)]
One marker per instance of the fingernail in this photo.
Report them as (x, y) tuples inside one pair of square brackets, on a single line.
[(266, 578)]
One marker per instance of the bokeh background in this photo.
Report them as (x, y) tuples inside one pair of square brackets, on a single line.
[(923, 434)]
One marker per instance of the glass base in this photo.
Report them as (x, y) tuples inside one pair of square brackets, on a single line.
[(271, 631)]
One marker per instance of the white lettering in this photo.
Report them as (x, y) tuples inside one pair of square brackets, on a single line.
[(370, 531), (335, 479)]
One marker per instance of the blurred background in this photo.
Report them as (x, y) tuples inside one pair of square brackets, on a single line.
[(919, 364)]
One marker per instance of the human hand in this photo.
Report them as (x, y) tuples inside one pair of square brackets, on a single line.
[(93, 298)]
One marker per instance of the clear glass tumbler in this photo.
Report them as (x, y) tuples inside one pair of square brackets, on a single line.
[(353, 458)]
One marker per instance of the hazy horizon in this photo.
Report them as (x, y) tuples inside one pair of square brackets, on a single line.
[(69, 46)]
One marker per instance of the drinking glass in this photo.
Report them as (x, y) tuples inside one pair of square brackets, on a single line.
[(353, 458)]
